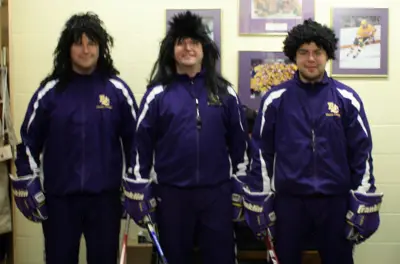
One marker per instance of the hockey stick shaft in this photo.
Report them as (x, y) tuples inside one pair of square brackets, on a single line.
[(156, 242), (271, 248), (125, 241)]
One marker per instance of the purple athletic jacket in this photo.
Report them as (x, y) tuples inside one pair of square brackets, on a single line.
[(83, 133), (184, 141), (312, 139)]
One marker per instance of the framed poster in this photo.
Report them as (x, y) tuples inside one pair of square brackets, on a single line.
[(258, 71), (211, 18), (273, 17), (363, 42)]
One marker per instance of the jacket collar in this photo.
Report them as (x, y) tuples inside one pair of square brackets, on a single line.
[(323, 82), (185, 77)]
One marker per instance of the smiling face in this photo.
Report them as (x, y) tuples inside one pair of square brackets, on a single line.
[(84, 55), (311, 61), (188, 54)]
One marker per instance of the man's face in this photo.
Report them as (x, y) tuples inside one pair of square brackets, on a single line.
[(311, 61), (84, 55), (188, 52)]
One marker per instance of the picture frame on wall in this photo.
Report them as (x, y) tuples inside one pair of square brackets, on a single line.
[(363, 42), (258, 71), (211, 18), (273, 17)]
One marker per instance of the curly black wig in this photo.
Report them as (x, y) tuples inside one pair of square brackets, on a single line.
[(310, 31), (83, 23), (181, 26)]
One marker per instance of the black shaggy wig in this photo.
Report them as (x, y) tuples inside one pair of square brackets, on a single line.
[(188, 25), (310, 31), (79, 24)]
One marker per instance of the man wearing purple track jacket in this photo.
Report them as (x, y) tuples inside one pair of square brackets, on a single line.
[(78, 128), (192, 144), (312, 156)]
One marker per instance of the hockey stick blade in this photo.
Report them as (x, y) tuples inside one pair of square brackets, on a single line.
[(122, 258), (154, 238), (270, 248)]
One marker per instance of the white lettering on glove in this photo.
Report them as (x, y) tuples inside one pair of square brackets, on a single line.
[(20, 193), (134, 196), (362, 209), (253, 207)]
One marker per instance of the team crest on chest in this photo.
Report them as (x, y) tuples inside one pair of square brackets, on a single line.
[(104, 102), (333, 109)]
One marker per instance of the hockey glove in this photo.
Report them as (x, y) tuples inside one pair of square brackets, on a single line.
[(29, 197), (259, 213), (363, 216), (139, 202), (237, 200)]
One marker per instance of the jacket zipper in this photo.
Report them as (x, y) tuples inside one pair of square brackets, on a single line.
[(198, 126), (313, 140), (314, 147), (83, 148)]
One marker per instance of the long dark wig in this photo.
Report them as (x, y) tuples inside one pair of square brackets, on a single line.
[(181, 26), (83, 23)]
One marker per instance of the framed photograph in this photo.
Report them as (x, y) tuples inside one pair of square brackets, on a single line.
[(273, 17), (258, 72), (363, 42), (211, 18)]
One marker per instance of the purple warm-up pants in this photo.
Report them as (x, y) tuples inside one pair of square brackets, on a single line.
[(201, 213), (97, 217), (323, 217)]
